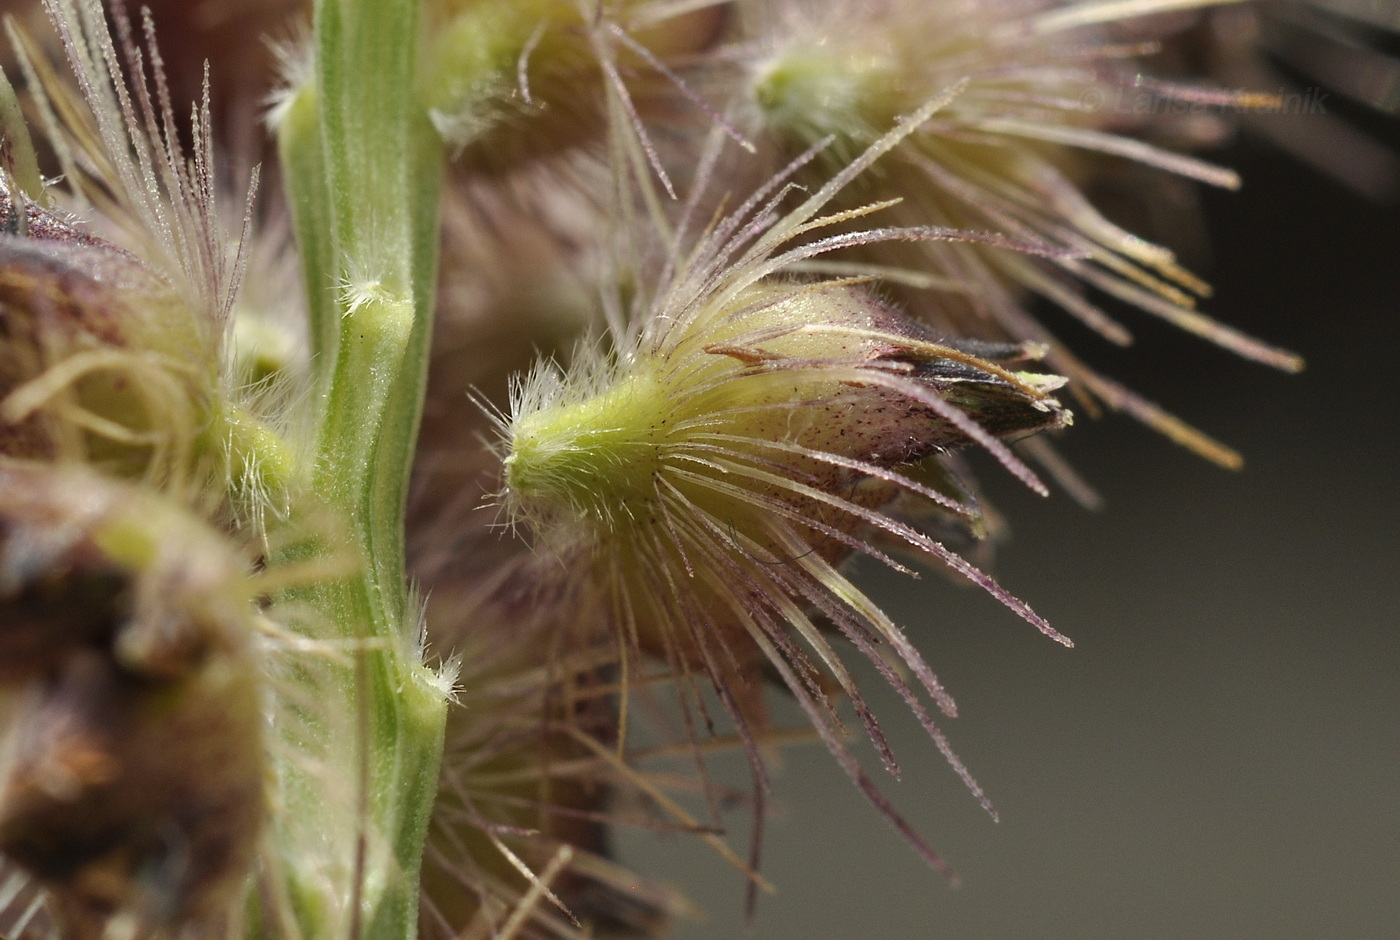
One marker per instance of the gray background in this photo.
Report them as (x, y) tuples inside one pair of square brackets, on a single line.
[(1220, 755)]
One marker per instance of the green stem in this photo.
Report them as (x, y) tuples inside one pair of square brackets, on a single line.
[(382, 163), (364, 168)]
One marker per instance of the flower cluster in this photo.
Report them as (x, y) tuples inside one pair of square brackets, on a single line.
[(693, 301)]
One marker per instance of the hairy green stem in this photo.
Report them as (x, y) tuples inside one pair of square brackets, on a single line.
[(363, 169)]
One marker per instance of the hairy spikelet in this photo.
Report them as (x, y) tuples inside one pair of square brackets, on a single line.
[(1035, 114), (119, 291), (699, 485), (133, 369)]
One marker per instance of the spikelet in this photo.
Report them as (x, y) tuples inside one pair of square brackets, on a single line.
[(135, 659), (513, 81), (120, 152), (698, 487), (121, 320), (1037, 91), (687, 489), (132, 778)]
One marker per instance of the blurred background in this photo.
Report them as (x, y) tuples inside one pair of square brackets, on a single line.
[(1219, 756)]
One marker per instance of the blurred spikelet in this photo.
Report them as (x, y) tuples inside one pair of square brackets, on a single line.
[(1036, 92)]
